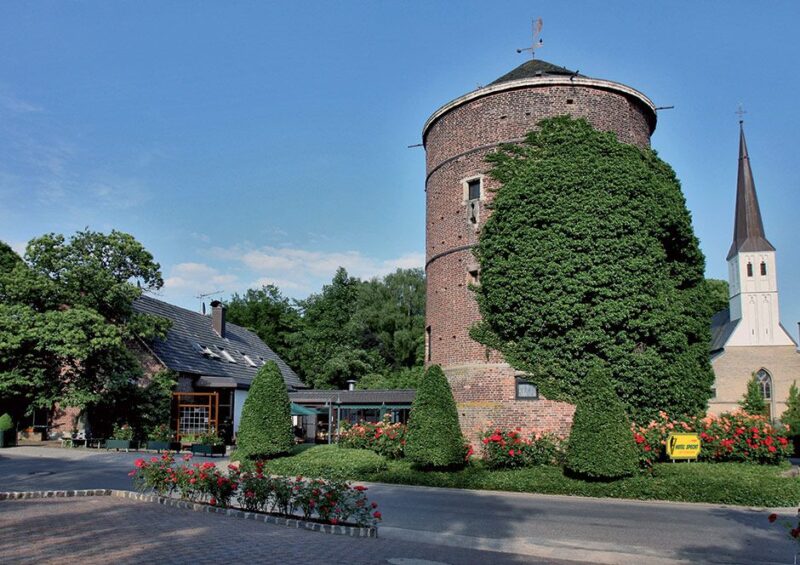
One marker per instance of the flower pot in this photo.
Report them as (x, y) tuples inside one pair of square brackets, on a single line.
[(207, 450), (118, 444), (8, 438), (159, 445)]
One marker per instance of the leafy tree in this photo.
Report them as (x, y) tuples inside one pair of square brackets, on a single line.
[(406, 378), (66, 319), (434, 436), (272, 316), (753, 401), (601, 444), (589, 255), (791, 416), (718, 294), (266, 426)]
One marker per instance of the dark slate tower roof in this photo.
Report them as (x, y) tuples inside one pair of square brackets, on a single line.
[(748, 228), (534, 68)]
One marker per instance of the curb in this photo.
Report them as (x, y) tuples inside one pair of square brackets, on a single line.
[(297, 523)]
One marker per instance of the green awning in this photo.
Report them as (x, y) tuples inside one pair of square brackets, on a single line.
[(298, 410)]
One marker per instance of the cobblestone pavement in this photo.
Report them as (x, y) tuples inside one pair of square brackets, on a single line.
[(102, 529)]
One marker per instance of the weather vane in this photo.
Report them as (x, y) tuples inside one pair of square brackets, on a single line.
[(536, 29), (741, 112)]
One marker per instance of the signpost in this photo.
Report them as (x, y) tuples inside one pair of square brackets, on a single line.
[(683, 446)]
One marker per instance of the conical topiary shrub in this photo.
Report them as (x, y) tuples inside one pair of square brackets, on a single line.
[(601, 444), (434, 437), (266, 426)]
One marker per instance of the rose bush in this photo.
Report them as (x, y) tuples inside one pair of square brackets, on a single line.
[(330, 501), (734, 436), (509, 449), (384, 437)]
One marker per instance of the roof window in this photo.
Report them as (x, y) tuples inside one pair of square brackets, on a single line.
[(205, 351), (228, 357), (248, 360)]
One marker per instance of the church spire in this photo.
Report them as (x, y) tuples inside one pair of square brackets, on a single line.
[(748, 230)]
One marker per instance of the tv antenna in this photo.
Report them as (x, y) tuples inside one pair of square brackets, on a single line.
[(206, 295), (536, 30)]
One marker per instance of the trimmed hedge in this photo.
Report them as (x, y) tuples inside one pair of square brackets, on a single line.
[(601, 445), (266, 426), (328, 461), (6, 423), (434, 436)]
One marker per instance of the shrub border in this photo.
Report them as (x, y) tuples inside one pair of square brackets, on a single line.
[(297, 523)]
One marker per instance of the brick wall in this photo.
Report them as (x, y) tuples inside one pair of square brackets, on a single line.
[(456, 145)]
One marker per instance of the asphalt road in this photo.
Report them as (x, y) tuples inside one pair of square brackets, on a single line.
[(544, 527)]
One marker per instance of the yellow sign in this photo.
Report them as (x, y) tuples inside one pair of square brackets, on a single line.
[(683, 446)]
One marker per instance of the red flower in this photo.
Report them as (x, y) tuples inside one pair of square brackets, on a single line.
[(374, 505), (360, 488), (139, 463), (772, 449), (213, 501), (377, 515), (511, 452), (783, 440), (485, 440), (795, 532), (772, 518), (647, 448)]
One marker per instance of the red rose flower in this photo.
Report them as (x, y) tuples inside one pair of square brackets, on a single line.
[(213, 501), (772, 517), (377, 515)]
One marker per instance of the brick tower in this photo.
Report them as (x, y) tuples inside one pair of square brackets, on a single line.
[(457, 138)]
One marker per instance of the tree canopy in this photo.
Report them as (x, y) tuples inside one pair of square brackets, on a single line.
[(66, 319), (370, 331), (589, 256)]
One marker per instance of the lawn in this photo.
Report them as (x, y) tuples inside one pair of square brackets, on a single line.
[(720, 483)]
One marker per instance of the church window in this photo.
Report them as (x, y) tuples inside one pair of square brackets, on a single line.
[(765, 382), (763, 268), (526, 390), (474, 189), (749, 269)]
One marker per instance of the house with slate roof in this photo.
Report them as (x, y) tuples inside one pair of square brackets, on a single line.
[(747, 338), (216, 362)]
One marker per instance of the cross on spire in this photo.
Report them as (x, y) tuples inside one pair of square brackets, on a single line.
[(536, 30), (741, 112)]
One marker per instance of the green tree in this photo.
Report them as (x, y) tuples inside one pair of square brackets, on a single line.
[(791, 416), (266, 426), (718, 294), (272, 316), (601, 444), (434, 436), (406, 378), (753, 401), (589, 255), (66, 320)]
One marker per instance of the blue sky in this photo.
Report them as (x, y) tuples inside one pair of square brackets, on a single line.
[(246, 143)]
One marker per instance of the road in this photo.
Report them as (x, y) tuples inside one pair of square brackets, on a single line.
[(538, 526)]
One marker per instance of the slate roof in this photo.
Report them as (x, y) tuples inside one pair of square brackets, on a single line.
[(721, 329), (399, 396), (179, 350), (748, 227), (534, 68)]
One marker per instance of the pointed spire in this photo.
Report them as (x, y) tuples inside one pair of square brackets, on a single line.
[(748, 228)]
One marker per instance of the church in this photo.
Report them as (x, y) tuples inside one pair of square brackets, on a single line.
[(747, 337)]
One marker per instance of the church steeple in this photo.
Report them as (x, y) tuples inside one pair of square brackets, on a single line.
[(748, 227)]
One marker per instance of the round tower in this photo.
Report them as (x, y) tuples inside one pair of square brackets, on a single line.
[(457, 138)]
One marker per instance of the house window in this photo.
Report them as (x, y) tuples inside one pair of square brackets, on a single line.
[(428, 343), (474, 277), (763, 269), (749, 269), (474, 189), (526, 390), (713, 392)]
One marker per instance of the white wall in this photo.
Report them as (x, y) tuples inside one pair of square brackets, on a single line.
[(239, 396)]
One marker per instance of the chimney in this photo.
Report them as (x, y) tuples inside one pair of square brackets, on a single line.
[(218, 317), (351, 385)]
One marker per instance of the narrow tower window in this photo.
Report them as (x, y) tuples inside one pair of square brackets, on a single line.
[(428, 343), (749, 269), (763, 269), (474, 189)]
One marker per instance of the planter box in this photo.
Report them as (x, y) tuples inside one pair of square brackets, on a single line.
[(8, 438), (207, 450), (163, 445), (125, 444)]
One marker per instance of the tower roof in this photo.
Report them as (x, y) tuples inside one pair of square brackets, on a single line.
[(748, 227), (534, 68)]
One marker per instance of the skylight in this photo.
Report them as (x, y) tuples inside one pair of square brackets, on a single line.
[(248, 360), (228, 357)]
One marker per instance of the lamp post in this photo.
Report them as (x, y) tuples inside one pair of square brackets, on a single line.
[(330, 419), (338, 415)]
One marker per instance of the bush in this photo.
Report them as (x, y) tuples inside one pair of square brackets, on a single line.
[(384, 438), (508, 449), (328, 461), (6, 423), (123, 432), (434, 435), (161, 432), (266, 426), (791, 417), (600, 445), (733, 436)]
